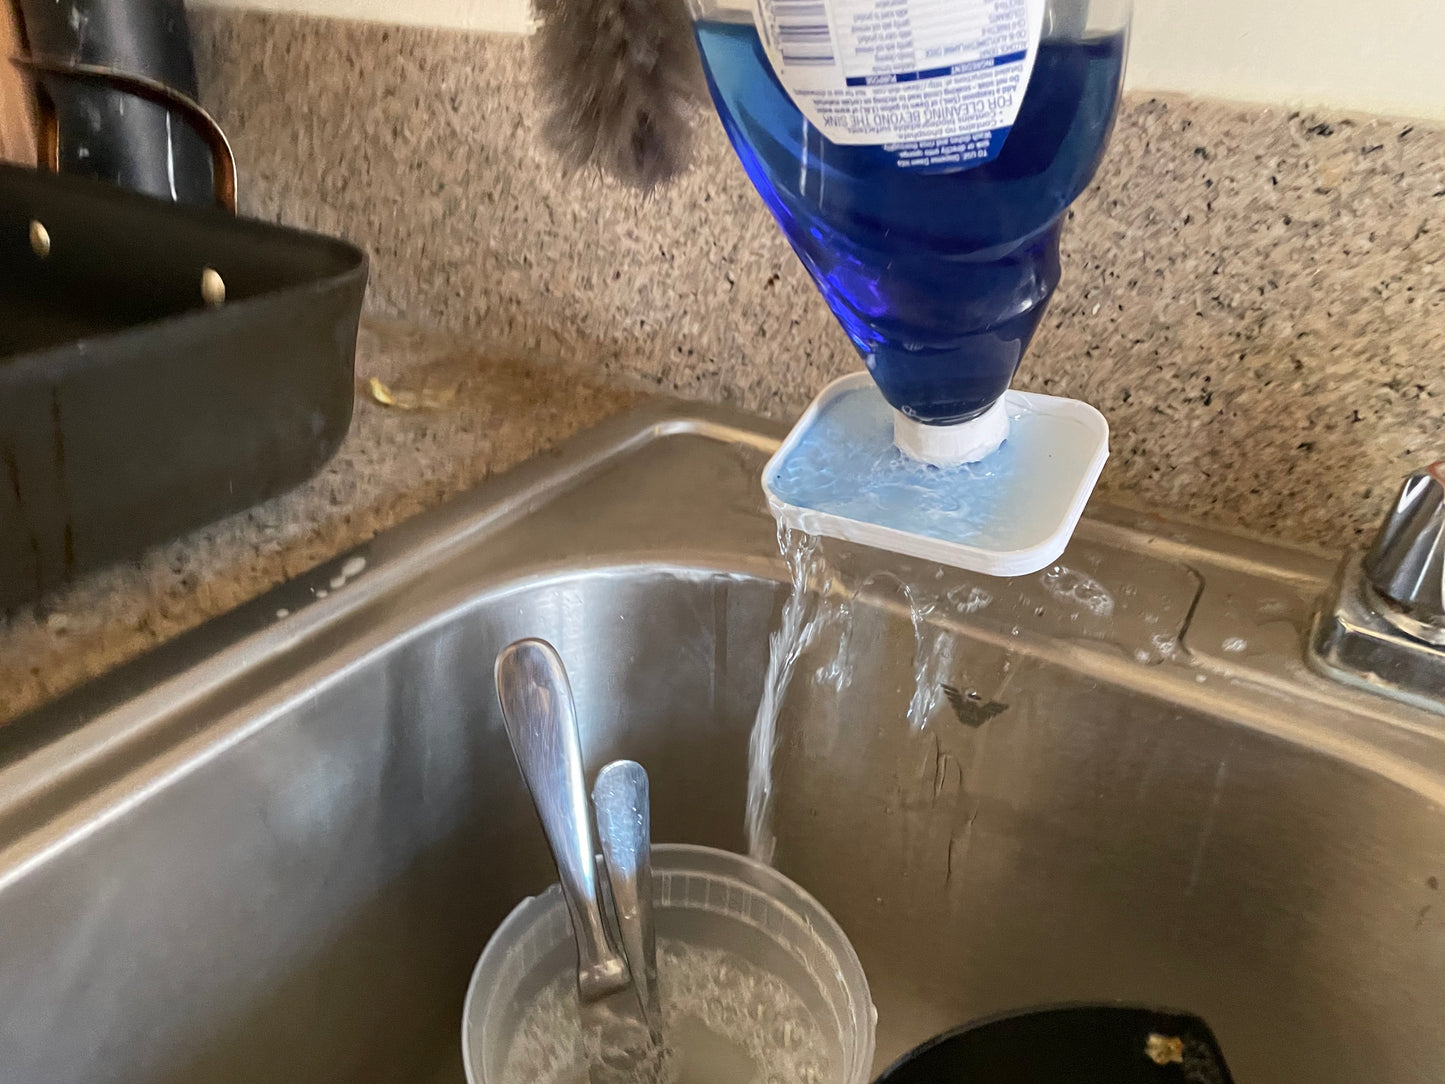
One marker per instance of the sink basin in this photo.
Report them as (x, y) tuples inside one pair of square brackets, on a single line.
[(273, 849)]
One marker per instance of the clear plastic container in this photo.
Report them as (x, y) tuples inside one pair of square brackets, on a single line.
[(705, 899)]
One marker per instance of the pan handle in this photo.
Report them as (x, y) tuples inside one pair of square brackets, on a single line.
[(223, 162)]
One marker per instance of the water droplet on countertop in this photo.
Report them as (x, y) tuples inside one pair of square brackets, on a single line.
[(1069, 585)]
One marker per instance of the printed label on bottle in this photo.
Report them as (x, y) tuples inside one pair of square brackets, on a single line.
[(937, 82)]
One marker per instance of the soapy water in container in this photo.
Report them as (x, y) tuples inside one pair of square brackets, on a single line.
[(726, 1021), (757, 983)]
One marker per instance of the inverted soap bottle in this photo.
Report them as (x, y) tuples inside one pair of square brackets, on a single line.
[(919, 156)]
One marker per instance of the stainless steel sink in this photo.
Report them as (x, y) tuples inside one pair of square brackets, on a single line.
[(273, 850)]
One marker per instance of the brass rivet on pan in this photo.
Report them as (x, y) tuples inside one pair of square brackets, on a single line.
[(39, 239), (213, 287)]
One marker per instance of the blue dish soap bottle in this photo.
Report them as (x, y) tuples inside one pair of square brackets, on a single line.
[(919, 156)]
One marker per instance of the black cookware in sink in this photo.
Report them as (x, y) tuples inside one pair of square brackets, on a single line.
[(1072, 1044)]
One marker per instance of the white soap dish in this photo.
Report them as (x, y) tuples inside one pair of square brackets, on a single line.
[(839, 474)]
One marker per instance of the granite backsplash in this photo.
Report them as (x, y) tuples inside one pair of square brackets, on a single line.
[(1254, 297)]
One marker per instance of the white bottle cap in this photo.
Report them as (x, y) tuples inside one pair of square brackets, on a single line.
[(951, 445)]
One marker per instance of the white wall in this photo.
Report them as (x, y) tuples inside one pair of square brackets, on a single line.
[(1383, 56), (508, 16)]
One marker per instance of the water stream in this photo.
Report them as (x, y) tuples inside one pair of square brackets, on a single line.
[(820, 614), (823, 599), (804, 614)]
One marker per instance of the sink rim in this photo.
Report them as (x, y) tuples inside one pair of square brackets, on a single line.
[(75, 751)]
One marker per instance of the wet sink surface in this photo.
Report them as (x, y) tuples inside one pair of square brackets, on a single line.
[(274, 849)]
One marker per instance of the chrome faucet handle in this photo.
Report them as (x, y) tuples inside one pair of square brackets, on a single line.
[(1406, 564), (1383, 626)]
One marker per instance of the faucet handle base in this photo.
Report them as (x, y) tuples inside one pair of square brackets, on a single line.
[(1363, 640)]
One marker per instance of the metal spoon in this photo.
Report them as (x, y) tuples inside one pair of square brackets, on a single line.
[(620, 797), (541, 722)]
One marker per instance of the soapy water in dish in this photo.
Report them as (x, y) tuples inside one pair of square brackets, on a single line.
[(845, 466)]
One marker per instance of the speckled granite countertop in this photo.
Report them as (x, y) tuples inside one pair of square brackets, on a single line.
[(488, 412), (1254, 297)]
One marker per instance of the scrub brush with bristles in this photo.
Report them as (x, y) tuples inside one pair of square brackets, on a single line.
[(622, 80)]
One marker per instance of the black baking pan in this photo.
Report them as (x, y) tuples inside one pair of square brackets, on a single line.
[(135, 402), (1069, 1044)]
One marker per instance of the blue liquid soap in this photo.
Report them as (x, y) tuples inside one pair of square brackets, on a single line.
[(940, 278)]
